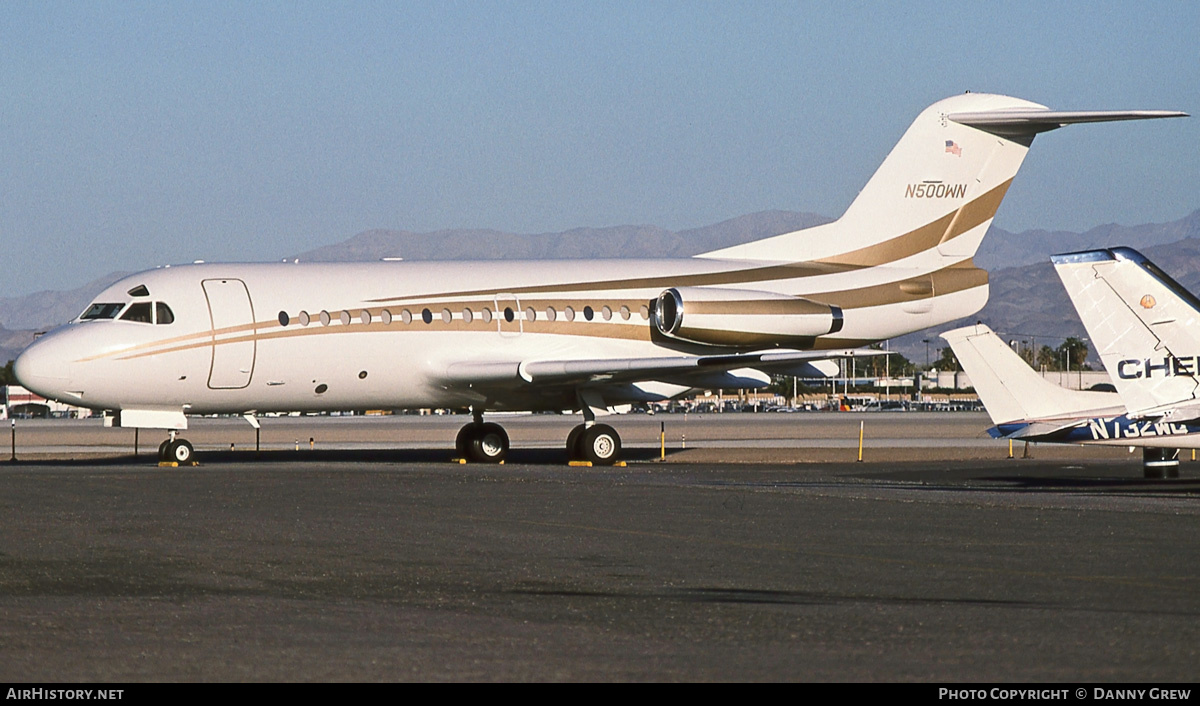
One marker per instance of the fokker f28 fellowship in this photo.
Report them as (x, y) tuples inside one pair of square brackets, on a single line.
[(582, 335)]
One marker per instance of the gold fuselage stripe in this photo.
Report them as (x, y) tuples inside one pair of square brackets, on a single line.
[(972, 214)]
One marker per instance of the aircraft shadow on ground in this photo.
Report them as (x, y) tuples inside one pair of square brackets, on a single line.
[(1188, 485), (1041, 477), (305, 456), (1026, 476)]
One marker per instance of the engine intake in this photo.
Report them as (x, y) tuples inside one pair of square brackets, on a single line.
[(741, 317)]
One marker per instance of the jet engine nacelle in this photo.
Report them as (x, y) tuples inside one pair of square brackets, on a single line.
[(742, 317)]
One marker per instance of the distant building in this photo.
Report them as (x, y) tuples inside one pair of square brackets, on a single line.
[(21, 403), (1074, 380)]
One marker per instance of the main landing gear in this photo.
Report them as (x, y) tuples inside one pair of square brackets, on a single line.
[(175, 451), (482, 442), (1160, 463), (598, 444)]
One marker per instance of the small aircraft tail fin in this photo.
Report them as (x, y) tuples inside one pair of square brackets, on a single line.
[(1011, 390), (1145, 326), (930, 203)]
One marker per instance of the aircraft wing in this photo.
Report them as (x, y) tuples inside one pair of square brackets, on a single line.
[(602, 371)]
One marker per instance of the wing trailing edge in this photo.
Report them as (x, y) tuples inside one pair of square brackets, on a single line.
[(625, 370)]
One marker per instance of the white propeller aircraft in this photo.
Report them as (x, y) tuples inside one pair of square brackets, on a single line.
[(1146, 329), (1026, 407), (1145, 326), (556, 335)]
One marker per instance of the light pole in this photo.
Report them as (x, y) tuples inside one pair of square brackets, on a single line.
[(887, 368), (1081, 368), (1067, 346)]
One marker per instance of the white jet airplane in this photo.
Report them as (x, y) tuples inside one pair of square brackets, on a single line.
[(555, 335), (1026, 407)]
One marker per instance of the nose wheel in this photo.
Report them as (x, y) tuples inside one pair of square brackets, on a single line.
[(178, 451)]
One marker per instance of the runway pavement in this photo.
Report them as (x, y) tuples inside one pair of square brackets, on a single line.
[(351, 563)]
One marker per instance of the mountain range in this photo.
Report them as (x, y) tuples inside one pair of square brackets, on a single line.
[(1026, 299)]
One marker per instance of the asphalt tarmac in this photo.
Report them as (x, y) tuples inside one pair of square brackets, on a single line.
[(352, 562)]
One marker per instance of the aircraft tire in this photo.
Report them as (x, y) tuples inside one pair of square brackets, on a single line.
[(462, 443), (1160, 463), (180, 451), (489, 443), (573, 451), (601, 445), (162, 450)]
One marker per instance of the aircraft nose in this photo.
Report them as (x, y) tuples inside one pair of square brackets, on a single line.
[(45, 368)]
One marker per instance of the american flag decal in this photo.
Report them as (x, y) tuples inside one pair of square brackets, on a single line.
[(952, 148)]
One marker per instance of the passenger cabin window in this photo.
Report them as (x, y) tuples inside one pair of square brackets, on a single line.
[(101, 310), (163, 314), (140, 312)]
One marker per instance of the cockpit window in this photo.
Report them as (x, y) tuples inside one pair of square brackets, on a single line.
[(140, 312), (100, 310), (139, 291), (165, 315)]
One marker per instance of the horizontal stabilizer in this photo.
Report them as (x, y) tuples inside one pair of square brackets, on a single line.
[(1035, 120)]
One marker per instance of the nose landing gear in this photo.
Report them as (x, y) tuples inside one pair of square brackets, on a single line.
[(177, 452)]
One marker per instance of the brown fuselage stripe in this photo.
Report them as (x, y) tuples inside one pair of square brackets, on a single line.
[(947, 281), (948, 227)]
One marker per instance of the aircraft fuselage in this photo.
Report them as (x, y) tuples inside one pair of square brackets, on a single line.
[(330, 336)]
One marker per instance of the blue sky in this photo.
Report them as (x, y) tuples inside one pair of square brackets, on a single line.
[(140, 134)]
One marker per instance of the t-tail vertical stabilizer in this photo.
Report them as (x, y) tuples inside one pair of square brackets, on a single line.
[(930, 203)]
